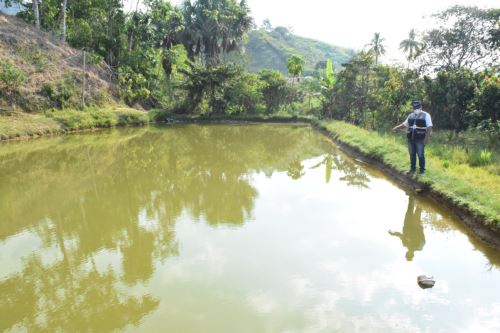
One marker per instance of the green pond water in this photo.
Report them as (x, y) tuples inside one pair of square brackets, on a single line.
[(227, 228)]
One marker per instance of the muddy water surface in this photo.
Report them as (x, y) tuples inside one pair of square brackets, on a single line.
[(227, 228)]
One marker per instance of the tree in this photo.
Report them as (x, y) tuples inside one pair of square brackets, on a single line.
[(329, 75), (376, 46), (411, 46), (214, 28), (63, 20), (266, 25), (166, 25), (466, 38), (208, 84), (274, 90), (352, 98), (451, 95), (488, 97), (295, 65)]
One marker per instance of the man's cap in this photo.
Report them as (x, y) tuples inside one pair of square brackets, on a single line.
[(417, 105)]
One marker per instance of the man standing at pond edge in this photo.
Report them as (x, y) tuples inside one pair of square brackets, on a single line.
[(419, 129)]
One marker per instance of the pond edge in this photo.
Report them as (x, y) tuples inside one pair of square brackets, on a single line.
[(475, 223)]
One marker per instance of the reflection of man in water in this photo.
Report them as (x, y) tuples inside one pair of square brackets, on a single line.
[(413, 237)]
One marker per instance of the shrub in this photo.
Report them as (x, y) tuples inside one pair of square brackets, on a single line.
[(480, 158), (11, 77), (59, 93), (133, 86)]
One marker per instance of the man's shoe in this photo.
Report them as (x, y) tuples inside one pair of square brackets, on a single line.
[(411, 172), (421, 172)]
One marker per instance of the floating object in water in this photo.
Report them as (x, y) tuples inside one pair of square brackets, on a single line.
[(426, 282)]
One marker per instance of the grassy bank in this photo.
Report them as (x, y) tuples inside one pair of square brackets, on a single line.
[(19, 124), (475, 188)]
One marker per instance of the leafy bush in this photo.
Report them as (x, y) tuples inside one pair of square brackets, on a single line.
[(488, 97), (244, 94), (274, 89), (11, 77), (60, 93), (133, 86), (480, 158)]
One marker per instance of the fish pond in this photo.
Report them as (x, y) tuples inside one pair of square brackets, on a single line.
[(227, 228)]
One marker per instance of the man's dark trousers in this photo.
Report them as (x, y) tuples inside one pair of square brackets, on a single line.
[(416, 148)]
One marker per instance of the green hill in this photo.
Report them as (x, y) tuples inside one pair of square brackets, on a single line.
[(271, 49)]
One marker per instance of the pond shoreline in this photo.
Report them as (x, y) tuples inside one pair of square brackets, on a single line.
[(486, 232)]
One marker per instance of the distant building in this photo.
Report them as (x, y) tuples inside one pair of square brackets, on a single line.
[(293, 79)]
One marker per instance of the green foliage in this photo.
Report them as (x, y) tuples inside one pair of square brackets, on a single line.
[(214, 28), (60, 93), (377, 47), (480, 158), (352, 98), (206, 87), (11, 77), (491, 130), (295, 65), (244, 94), (451, 95), (488, 97), (97, 117), (275, 90), (329, 79), (133, 86)]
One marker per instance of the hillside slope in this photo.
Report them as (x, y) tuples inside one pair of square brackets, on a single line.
[(50, 73), (271, 49)]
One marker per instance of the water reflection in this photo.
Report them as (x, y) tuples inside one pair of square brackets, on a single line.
[(412, 235), (138, 227), (123, 192), (352, 173)]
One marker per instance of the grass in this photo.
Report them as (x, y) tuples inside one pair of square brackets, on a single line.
[(472, 148), (19, 124), (450, 172), (22, 124), (163, 116)]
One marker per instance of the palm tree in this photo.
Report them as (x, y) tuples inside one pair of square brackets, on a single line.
[(214, 27), (411, 46), (376, 46)]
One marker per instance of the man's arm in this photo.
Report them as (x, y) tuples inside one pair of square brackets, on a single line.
[(403, 124), (428, 132)]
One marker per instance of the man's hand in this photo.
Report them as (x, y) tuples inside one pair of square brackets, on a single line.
[(426, 140)]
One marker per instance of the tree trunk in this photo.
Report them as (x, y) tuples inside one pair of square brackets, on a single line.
[(37, 14), (63, 20)]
